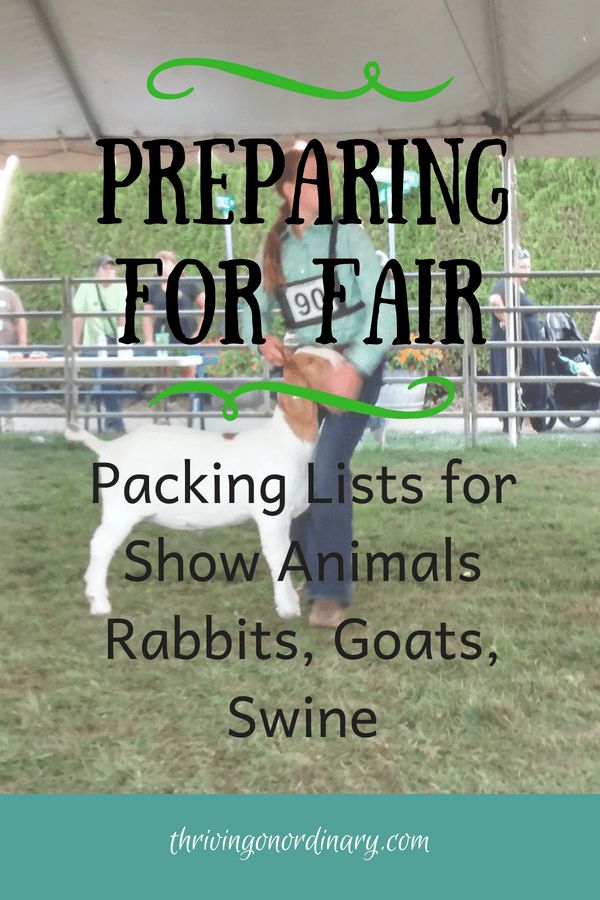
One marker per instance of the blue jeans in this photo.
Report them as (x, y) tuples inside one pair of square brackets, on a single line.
[(110, 392), (7, 391), (327, 527)]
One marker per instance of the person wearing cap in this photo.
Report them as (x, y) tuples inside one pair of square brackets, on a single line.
[(94, 333), (190, 299), (533, 360)]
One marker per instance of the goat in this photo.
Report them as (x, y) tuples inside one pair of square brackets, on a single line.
[(284, 445)]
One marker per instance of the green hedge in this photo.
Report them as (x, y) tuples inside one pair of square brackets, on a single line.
[(50, 228)]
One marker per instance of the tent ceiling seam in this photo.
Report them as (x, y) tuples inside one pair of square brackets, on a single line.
[(467, 51), (498, 62), (583, 76), (53, 40)]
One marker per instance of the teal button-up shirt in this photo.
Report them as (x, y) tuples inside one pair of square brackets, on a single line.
[(297, 254)]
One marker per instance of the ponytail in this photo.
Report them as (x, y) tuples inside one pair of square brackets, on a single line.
[(272, 271), (273, 277)]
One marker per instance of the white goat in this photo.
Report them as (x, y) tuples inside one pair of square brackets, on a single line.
[(284, 445)]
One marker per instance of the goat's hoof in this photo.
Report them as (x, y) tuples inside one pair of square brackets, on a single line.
[(289, 610), (289, 613), (100, 609)]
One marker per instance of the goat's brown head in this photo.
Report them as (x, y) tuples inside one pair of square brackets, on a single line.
[(310, 367)]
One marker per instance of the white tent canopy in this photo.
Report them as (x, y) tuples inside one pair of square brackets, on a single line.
[(75, 70)]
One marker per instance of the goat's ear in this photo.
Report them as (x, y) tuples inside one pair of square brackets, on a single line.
[(293, 373), (287, 404), (325, 369), (300, 415), (314, 370), (292, 406), (290, 369)]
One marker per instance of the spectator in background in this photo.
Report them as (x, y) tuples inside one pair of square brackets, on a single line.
[(106, 296), (534, 395), (13, 332), (190, 298), (378, 426)]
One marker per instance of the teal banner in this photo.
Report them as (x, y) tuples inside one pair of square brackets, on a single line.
[(349, 846)]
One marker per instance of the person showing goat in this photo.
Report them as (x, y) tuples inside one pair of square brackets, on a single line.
[(293, 282)]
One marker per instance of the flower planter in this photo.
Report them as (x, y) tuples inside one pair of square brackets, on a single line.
[(233, 370), (398, 396)]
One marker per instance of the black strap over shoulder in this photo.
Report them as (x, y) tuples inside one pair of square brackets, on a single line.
[(335, 224), (111, 321), (332, 254)]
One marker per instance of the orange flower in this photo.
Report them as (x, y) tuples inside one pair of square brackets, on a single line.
[(417, 357)]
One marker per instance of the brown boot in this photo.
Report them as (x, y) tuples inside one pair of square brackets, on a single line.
[(527, 428), (327, 614)]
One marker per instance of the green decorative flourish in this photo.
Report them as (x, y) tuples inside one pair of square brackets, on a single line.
[(230, 408), (371, 72)]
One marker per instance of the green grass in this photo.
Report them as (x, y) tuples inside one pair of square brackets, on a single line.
[(71, 721)]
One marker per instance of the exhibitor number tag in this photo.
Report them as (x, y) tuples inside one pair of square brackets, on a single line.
[(304, 303)]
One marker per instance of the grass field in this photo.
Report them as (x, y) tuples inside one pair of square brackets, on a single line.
[(71, 721)]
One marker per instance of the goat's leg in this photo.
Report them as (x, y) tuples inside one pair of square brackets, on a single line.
[(274, 538), (107, 538)]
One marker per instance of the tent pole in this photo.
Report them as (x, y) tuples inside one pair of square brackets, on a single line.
[(391, 226), (511, 294)]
